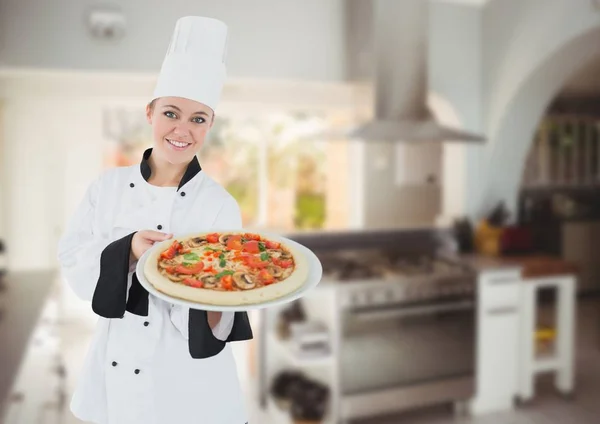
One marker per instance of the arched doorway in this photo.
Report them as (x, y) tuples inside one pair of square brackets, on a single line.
[(559, 193), (510, 142)]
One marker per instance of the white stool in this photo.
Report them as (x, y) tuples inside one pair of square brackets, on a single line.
[(562, 361)]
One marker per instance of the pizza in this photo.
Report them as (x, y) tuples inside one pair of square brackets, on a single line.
[(226, 268)]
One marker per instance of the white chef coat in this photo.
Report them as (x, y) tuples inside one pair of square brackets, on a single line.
[(139, 369)]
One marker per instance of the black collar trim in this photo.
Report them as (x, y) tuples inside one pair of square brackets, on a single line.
[(192, 169)]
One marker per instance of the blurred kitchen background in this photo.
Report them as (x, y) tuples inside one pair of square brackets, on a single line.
[(459, 239)]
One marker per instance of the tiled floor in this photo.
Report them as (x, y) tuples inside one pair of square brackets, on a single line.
[(547, 408)]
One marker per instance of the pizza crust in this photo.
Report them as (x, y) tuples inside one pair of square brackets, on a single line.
[(226, 298)]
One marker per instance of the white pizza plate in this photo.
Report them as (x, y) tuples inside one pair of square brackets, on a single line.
[(315, 273)]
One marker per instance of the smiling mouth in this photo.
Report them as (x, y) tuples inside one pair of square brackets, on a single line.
[(178, 145)]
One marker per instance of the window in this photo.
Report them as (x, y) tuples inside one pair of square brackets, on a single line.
[(282, 177)]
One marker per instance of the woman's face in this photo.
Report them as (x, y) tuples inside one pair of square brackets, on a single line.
[(179, 127)]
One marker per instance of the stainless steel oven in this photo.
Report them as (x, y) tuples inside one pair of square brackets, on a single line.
[(406, 331), (399, 355)]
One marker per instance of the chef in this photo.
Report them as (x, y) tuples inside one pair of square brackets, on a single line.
[(151, 361)]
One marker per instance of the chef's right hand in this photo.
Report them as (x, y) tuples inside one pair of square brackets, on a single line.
[(144, 240)]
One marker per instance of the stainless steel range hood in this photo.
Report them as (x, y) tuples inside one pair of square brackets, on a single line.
[(399, 49)]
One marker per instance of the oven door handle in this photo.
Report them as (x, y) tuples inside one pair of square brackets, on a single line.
[(406, 311)]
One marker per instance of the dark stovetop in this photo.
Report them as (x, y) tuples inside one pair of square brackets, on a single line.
[(370, 254), (372, 264), (350, 264)]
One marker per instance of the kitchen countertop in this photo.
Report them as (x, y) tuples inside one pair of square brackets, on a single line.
[(22, 303), (487, 263), (531, 266)]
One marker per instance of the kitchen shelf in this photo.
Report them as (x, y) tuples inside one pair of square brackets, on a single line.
[(286, 348), (564, 152), (546, 364), (546, 359), (282, 416)]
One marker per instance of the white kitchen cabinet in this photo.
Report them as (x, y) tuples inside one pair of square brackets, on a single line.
[(497, 340)]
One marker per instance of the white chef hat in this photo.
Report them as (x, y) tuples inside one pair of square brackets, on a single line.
[(194, 67)]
